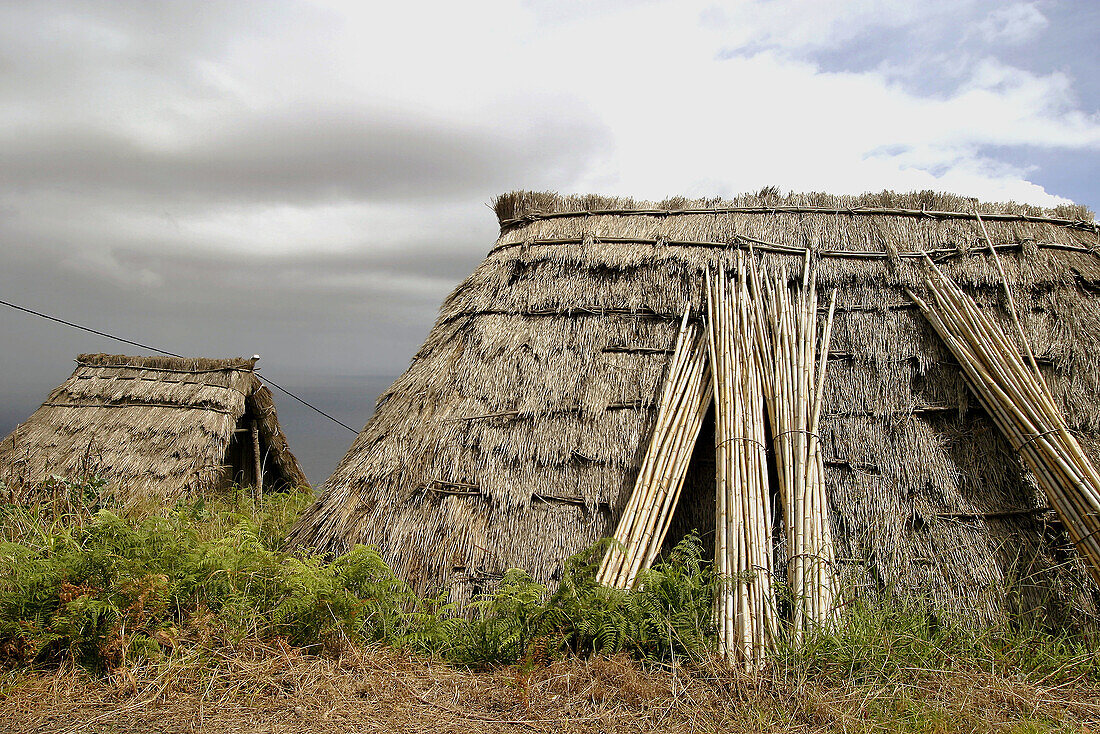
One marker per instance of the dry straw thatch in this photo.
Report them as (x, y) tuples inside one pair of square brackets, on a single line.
[(157, 429), (516, 434)]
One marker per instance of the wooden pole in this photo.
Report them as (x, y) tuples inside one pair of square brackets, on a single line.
[(745, 607), (794, 358), (625, 532), (258, 462)]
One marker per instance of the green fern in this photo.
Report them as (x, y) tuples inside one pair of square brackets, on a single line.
[(99, 589)]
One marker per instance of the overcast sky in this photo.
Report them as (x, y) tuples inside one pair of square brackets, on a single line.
[(307, 180)]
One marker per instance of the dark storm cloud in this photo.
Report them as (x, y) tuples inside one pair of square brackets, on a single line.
[(301, 155), (306, 288), (449, 263), (121, 139), (363, 310)]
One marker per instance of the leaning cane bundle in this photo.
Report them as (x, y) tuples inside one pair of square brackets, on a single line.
[(765, 353), (1018, 400), (648, 514)]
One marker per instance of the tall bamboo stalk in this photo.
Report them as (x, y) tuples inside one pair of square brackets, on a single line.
[(745, 605), (793, 358)]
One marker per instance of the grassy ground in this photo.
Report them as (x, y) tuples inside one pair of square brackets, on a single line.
[(276, 689), (194, 619)]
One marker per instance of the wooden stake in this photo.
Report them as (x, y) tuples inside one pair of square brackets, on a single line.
[(258, 462)]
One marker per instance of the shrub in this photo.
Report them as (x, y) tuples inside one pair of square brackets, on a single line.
[(78, 583), (110, 589)]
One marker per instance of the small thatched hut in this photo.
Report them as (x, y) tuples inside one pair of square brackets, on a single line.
[(514, 438), (156, 429)]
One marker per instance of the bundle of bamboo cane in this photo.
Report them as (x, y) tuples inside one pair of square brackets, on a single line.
[(765, 353), (792, 360), (745, 604), (1017, 398), (684, 403)]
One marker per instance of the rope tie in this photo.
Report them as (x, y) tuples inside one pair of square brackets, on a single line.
[(741, 438), (1085, 538), (815, 556), (1037, 436)]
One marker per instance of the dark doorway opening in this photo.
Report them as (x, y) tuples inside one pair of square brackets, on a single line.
[(695, 508)]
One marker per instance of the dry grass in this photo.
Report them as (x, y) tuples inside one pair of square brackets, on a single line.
[(278, 689)]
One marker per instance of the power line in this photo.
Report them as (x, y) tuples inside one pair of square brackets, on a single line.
[(282, 389), (90, 330)]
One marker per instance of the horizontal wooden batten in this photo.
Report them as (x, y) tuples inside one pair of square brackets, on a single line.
[(158, 380), (894, 412), (859, 466), (172, 406), (740, 242), (144, 368), (571, 312), (995, 514), (636, 350), (518, 415), (552, 499)]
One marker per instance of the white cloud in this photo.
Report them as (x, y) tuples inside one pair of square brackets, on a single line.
[(685, 122), (803, 26), (1014, 23)]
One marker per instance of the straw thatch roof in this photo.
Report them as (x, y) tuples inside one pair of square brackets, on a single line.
[(155, 428), (514, 437)]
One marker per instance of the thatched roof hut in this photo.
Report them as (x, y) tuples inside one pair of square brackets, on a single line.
[(514, 438), (157, 429)]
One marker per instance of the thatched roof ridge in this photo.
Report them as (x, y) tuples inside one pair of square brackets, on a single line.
[(156, 428), (514, 436), (165, 363), (518, 207)]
